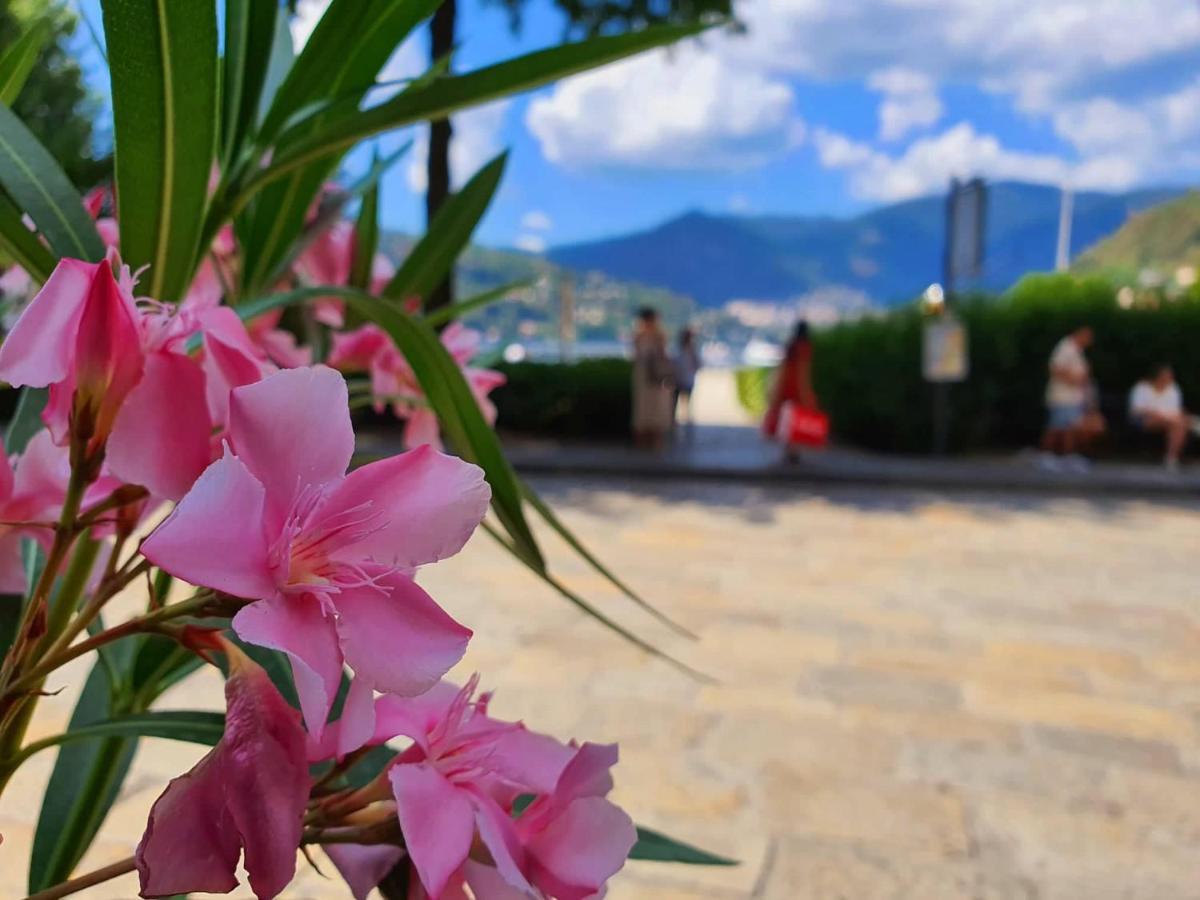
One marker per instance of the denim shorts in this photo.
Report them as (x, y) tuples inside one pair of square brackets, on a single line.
[(1062, 418)]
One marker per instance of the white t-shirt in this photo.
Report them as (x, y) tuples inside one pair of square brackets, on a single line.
[(1146, 398), (1067, 357)]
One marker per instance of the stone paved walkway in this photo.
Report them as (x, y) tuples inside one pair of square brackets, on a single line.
[(918, 698)]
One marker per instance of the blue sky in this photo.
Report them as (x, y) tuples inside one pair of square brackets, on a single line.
[(821, 108)]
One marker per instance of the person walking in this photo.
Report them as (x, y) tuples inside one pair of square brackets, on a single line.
[(1070, 424), (687, 364), (1156, 406), (793, 387), (653, 392)]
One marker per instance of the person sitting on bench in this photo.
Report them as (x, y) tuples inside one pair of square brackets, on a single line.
[(1156, 406)]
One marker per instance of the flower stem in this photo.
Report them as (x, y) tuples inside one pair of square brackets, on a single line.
[(99, 876)]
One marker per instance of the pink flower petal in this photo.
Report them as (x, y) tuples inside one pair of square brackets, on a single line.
[(401, 642), (6, 475), (298, 626), (214, 537), (12, 566), (437, 820), (421, 428), (267, 781), (586, 845), (532, 759), (499, 835), (230, 359), (357, 722), (161, 439), (363, 867), (487, 883), (429, 505), (190, 843), (587, 774), (292, 429), (40, 349)]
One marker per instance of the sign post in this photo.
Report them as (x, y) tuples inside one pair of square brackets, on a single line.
[(945, 349)]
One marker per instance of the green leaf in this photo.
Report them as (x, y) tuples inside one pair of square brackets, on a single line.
[(163, 60), (18, 60), (249, 39), (27, 420), (22, 244), (366, 240), (88, 774), (36, 184), (458, 412), (279, 63), (306, 142), (551, 519), (653, 845), (584, 606), (434, 255), (345, 53), (350, 45), (192, 726), (460, 309), (82, 788)]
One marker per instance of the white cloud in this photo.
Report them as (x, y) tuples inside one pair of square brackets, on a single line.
[(308, 14), (739, 203), (536, 220), (477, 138), (531, 243), (928, 164), (687, 108), (909, 102)]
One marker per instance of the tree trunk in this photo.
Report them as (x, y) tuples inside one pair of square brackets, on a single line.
[(441, 42)]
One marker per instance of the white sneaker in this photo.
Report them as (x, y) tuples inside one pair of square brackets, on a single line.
[(1050, 462), (1076, 463)]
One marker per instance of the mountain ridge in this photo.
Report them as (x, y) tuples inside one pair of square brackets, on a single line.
[(889, 253)]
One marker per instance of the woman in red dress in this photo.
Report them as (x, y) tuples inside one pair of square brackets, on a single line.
[(793, 384)]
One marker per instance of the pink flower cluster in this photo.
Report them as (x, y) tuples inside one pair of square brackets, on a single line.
[(320, 563)]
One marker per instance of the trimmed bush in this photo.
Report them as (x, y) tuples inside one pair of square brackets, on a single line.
[(868, 373), (586, 399)]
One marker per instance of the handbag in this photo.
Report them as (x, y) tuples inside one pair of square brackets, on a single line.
[(809, 427)]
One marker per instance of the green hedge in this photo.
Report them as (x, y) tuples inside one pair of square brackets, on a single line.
[(590, 398), (868, 373)]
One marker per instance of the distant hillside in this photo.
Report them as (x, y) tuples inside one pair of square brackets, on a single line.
[(890, 253), (1163, 237), (604, 306)]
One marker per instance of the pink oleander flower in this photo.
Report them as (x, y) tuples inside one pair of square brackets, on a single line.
[(326, 556), (79, 336), (33, 486), (456, 788), (247, 794), (169, 429), (328, 259), (393, 381), (277, 344)]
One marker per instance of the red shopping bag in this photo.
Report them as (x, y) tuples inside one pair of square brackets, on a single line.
[(809, 427)]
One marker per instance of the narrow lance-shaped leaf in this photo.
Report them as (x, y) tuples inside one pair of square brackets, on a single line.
[(21, 244), (424, 100), (27, 420), (18, 60), (457, 410), (342, 58), (471, 304), (37, 184), (551, 519), (366, 240), (249, 36), (658, 847), (192, 726), (88, 774), (573, 597), (433, 256), (163, 60), (82, 788)]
